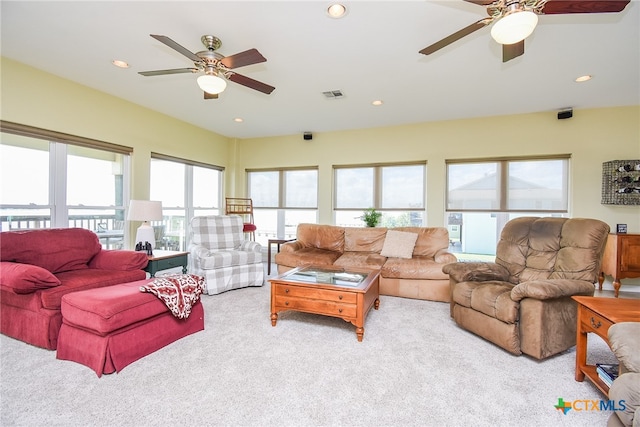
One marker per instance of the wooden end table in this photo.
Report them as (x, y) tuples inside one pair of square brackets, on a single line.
[(596, 315), (164, 260)]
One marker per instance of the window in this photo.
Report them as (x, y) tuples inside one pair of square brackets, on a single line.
[(396, 190), (282, 199), (186, 189), (482, 195), (65, 181)]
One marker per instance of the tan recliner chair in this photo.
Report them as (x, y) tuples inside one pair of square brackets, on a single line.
[(522, 301)]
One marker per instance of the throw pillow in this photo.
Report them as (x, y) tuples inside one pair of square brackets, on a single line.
[(179, 292), (399, 244), (26, 278)]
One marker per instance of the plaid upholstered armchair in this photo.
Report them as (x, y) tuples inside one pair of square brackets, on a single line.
[(219, 253)]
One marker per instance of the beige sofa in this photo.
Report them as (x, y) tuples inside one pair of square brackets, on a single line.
[(418, 276)]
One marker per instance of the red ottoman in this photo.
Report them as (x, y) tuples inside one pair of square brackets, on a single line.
[(108, 328)]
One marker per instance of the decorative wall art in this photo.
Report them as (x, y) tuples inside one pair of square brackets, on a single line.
[(621, 182)]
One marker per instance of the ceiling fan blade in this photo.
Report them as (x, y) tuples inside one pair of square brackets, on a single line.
[(510, 51), (251, 83), (248, 57), (583, 6), (208, 95), (481, 2), (178, 48), (172, 71), (456, 36)]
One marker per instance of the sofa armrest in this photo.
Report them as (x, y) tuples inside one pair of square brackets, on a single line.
[(476, 271), (250, 246), (119, 260), (198, 251), (443, 256), (551, 289), (291, 246)]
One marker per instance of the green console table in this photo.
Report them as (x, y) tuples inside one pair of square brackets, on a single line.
[(164, 260)]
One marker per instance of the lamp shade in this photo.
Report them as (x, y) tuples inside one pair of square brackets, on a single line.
[(212, 84), (145, 210), (514, 27)]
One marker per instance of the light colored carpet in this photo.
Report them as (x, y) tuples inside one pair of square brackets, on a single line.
[(414, 367)]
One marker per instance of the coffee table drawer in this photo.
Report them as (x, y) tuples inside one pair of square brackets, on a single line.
[(317, 294), (594, 322), (329, 308)]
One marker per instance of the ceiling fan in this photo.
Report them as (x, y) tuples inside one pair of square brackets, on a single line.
[(215, 66), (515, 20)]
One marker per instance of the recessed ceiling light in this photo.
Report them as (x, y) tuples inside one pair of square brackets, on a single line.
[(584, 78), (377, 102), (120, 64), (238, 120), (337, 10)]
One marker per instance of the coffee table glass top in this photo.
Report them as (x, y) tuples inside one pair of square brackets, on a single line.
[(325, 276)]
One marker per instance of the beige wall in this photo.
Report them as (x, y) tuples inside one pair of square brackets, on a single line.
[(591, 137), (64, 106)]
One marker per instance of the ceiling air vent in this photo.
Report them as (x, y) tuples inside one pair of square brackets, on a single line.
[(333, 94)]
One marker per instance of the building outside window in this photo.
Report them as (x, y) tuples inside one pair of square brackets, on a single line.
[(395, 190), (282, 199), (52, 180), (483, 195), (186, 189)]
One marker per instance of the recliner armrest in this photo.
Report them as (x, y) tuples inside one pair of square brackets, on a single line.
[(476, 271), (551, 289), (624, 340)]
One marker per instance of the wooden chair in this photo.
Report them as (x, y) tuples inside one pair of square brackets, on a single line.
[(244, 208)]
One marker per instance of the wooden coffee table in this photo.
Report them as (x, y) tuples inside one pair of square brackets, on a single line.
[(348, 295), (596, 315)]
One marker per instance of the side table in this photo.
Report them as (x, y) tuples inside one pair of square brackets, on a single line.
[(596, 315), (277, 242), (621, 259), (164, 260)]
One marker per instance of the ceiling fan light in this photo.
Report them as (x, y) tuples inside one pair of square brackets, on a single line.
[(514, 27), (212, 84)]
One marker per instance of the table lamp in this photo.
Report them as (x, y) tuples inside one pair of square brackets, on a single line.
[(145, 211)]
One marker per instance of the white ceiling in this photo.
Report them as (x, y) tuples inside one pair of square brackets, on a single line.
[(372, 53)]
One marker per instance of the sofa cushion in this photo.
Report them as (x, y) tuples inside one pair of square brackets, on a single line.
[(399, 244), (80, 280), (364, 239), (327, 237), (56, 250), (491, 298), (368, 260), (119, 260), (430, 240), (217, 231), (413, 268), (228, 258), (26, 278)]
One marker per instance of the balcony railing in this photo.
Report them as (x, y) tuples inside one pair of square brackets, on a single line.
[(109, 229)]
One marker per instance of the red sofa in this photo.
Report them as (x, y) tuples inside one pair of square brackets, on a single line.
[(38, 267)]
